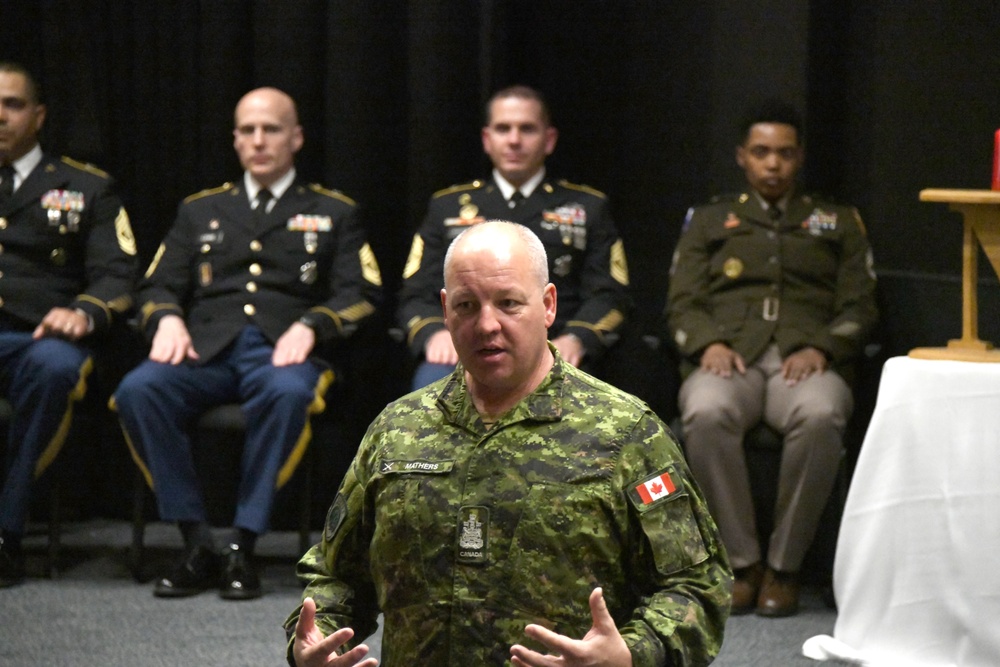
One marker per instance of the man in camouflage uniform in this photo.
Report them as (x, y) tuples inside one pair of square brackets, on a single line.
[(67, 265), (771, 300), (586, 256), (519, 503)]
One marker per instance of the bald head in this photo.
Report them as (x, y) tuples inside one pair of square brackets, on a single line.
[(267, 134), (277, 100), (503, 238)]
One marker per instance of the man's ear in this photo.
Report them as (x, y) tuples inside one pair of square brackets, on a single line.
[(551, 137), (549, 300)]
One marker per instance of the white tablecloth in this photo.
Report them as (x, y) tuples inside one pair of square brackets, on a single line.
[(917, 570)]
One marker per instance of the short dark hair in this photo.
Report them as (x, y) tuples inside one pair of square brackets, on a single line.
[(521, 92), (32, 86), (772, 111)]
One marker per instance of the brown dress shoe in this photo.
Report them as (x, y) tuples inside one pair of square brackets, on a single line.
[(779, 594), (745, 586)]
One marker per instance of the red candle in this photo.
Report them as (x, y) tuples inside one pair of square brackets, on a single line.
[(996, 161)]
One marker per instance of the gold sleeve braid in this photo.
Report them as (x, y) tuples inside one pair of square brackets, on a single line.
[(156, 260)]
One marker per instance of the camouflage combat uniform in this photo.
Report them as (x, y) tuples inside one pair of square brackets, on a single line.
[(462, 535)]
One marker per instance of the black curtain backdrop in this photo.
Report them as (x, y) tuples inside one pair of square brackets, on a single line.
[(647, 95)]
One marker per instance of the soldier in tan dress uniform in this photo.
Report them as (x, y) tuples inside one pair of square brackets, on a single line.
[(771, 300)]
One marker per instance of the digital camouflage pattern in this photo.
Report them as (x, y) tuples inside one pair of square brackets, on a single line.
[(462, 535)]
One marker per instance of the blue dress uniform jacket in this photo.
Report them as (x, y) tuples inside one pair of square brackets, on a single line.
[(586, 258), (740, 278), (217, 269), (240, 279), (66, 242)]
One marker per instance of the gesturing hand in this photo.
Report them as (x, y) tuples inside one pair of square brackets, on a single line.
[(602, 646), (312, 649)]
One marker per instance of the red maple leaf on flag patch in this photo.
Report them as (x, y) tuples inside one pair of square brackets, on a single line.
[(655, 488)]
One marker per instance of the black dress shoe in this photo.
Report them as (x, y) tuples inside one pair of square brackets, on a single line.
[(239, 578), (198, 572), (11, 564)]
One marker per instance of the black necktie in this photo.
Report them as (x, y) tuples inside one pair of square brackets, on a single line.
[(6, 182), (515, 199), (774, 212), (260, 211)]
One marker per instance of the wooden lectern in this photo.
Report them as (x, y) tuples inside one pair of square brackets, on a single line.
[(981, 212)]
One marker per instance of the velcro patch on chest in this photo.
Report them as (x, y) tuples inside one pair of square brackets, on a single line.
[(400, 466), (473, 534)]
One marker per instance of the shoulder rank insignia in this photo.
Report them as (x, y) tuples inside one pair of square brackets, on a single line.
[(474, 185), (83, 166), (582, 188), (334, 194), (209, 191)]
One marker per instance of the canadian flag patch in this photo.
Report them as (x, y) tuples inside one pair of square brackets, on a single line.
[(655, 488)]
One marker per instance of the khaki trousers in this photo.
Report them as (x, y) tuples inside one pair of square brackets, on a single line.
[(716, 412)]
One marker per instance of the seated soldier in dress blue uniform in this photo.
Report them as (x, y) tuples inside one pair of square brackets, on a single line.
[(250, 278), (586, 255), (67, 265)]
